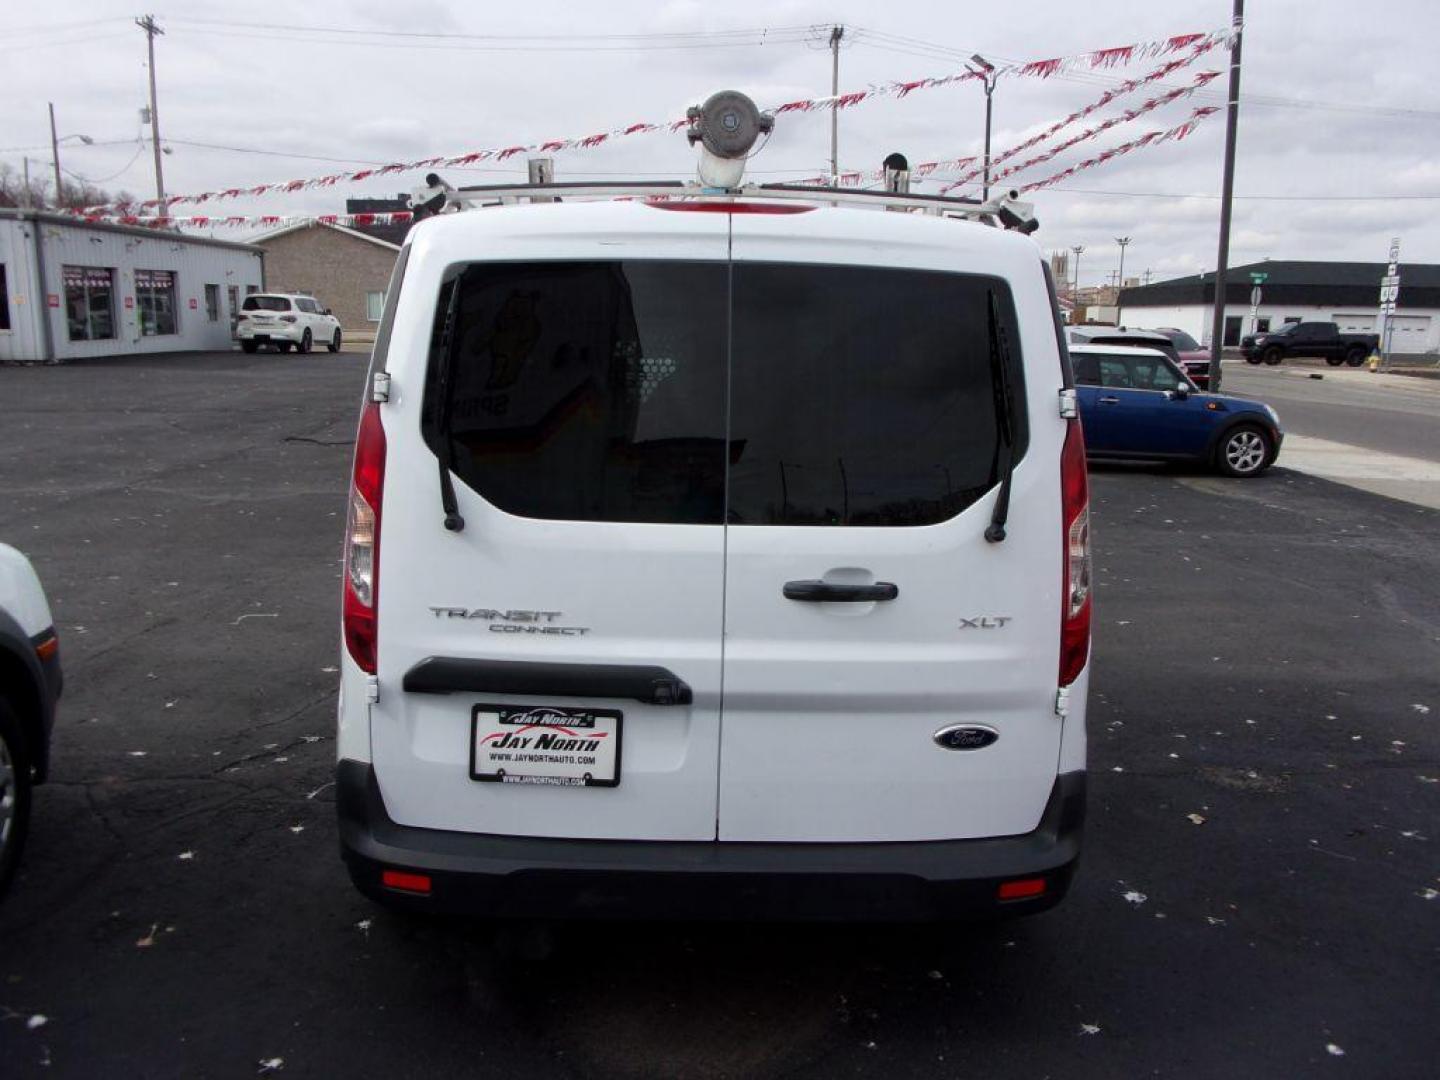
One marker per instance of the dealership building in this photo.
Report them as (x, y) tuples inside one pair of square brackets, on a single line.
[(70, 288), (1294, 291)]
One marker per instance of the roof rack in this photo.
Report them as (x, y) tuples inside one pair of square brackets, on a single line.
[(1006, 209)]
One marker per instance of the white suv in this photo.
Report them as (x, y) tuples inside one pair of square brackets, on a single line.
[(30, 686), (713, 563), (285, 320)]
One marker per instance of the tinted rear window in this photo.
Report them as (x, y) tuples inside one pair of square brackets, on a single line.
[(265, 303), (600, 391)]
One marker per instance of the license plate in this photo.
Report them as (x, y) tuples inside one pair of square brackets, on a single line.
[(529, 744)]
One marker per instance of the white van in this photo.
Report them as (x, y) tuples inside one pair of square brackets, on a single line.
[(716, 557)]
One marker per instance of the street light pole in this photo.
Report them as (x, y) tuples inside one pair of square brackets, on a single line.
[(1123, 241), (55, 153), (1078, 249), (986, 71)]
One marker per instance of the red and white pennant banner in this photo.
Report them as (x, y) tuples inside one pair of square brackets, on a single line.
[(1150, 138), (201, 221), (253, 221), (1048, 153), (1043, 69), (1204, 45)]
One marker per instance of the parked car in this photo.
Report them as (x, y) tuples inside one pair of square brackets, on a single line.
[(286, 320), (30, 684), (1121, 335), (558, 546), (1319, 339), (1193, 358), (1136, 404)]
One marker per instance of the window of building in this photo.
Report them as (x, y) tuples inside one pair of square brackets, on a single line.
[(1262, 326), (250, 290), (4, 300), (232, 293), (374, 305), (89, 302), (155, 297), (212, 302), (1291, 319)]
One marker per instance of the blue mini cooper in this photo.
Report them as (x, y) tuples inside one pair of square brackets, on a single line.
[(1135, 404)]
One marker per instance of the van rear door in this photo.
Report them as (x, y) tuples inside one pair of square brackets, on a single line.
[(586, 431), (865, 611)]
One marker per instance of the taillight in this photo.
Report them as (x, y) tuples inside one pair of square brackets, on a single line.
[(362, 540), (1075, 602), (288, 318)]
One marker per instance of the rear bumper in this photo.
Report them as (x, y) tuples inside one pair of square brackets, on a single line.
[(269, 333), (525, 877)]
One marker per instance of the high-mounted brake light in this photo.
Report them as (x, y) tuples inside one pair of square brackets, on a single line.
[(362, 541), (727, 207), (1075, 603)]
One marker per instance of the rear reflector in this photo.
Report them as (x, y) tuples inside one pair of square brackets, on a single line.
[(403, 881), (47, 649), (1023, 889)]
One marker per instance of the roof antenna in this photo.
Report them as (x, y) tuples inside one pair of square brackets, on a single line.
[(726, 127)]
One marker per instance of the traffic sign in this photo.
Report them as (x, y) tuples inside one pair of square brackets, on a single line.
[(1259, 278), (1255, 297)]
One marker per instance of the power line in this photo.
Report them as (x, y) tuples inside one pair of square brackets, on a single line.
[(516, 48), (445, 35), (1268, 198)]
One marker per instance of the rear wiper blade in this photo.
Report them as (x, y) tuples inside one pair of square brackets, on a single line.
[(449, 345), (1004, 420)]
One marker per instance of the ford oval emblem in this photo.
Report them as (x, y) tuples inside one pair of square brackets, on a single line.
[(965, 737)]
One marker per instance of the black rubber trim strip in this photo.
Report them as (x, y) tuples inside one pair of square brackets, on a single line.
[(449, 675)]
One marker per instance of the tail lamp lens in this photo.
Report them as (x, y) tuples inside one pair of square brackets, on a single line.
[(1075, 601), (288, 318), (362, 541)]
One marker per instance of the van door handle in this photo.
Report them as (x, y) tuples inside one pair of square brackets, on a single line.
[(825, 592), (1109, 401)]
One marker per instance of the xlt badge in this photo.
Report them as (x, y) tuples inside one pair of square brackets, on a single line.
[(985, 622)]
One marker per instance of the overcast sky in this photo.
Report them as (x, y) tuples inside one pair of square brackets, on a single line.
[(1341, 101)]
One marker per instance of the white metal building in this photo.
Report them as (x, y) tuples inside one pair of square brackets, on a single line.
[(1295, 291), (70, 288)]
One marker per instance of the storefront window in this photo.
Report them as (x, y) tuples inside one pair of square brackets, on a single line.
[(89, 302), (155, 297)]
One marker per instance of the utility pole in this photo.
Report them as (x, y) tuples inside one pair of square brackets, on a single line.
[(25, 180), (55, 153), (1148, 274), (1227, 194), (1123, 241), (150, 27), (836, 33)]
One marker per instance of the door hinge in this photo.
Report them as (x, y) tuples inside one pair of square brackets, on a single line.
[(1069, 407), (1062, 701), (372, 689), (380, 386)]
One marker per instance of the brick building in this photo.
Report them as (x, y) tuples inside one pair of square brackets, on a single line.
[(346, 270)]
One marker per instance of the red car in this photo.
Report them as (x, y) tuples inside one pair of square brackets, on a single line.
[(1194, 357)]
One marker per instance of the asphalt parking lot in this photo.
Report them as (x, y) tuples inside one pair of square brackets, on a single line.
[(1258, 895)]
